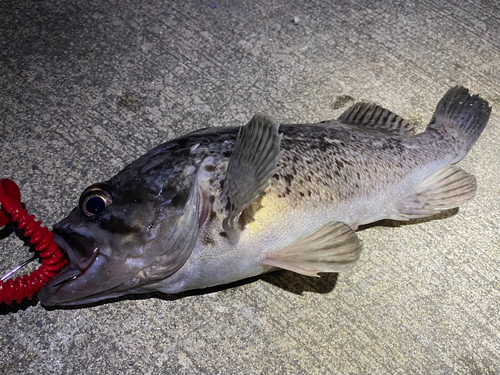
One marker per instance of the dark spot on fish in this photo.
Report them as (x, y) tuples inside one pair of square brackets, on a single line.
[(337, 173), (309, 193), (211, 199), (277, 177), (359, 177), (211, 181), (227, 154), (212, 216), (222, 184), (328, 175), (288, 179), (301, 193), (223, 234), (309, 178), (287, 191), (340, 165), (207, 239), (210, 168)]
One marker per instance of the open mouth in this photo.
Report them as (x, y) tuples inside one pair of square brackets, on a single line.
[(80, 251)]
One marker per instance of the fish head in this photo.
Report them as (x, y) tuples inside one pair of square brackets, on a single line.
[(134, 230)]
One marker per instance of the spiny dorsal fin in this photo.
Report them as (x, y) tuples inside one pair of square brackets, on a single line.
[(448, 188), (252, 164), (373, 116), (332, 248)]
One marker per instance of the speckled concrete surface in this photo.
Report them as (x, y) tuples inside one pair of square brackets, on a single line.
[(88, 86)]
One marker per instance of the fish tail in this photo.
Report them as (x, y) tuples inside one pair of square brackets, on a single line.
[(456, 125), (460, 118)]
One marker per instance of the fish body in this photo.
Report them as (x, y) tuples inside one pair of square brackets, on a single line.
[(223, 204)]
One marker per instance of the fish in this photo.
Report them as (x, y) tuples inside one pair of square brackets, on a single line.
[(224, 204)]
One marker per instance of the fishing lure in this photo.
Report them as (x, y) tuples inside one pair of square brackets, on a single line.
[(52, 258)]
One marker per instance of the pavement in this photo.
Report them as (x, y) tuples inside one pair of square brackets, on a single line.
[(89, 86)]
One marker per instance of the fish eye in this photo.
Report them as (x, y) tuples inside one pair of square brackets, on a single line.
[(95, 199)]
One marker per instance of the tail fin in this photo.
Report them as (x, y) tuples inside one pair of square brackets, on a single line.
[(460, 118)]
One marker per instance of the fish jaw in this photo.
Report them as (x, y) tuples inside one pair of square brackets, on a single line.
[(82, 281)]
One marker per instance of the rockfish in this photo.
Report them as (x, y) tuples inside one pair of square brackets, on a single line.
[(227, 203)]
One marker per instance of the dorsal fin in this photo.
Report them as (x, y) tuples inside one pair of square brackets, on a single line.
[(373, 116)]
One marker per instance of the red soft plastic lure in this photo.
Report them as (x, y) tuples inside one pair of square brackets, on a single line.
[(52, 258)]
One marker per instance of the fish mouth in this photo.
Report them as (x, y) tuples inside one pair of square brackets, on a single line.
[(81, 252), (80, 249)]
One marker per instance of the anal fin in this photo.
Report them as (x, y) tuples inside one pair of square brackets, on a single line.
[(332, 248), (448, 188)]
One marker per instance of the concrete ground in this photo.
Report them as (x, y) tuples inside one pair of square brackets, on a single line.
[(88, 86)]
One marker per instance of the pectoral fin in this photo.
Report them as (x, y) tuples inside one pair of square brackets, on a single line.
[(252, 164), (448, 188), (332, 248)]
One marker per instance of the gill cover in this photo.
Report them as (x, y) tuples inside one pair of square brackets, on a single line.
[(181, 233)]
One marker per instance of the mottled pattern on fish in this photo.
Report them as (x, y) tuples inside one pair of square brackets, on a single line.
[(336, 161), (324, 163)]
